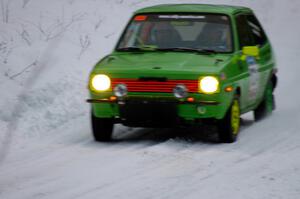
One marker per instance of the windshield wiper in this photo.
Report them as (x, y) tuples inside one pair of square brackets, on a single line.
[(174, 49), (139, 48), (130, 49), (209, 51), (184, 49)]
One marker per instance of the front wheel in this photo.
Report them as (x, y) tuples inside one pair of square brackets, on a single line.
[(229, 126), (102, 128)]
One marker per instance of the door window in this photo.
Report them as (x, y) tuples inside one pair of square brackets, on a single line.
[(257, 32), (244, 32)]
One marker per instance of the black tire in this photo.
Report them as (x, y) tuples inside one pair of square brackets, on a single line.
[(102, 128), (267, 105), (228, 132)]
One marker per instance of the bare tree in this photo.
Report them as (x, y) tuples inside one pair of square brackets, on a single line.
[(6, 48), (109, 35), (3, 51), (71, 2), (5, 10), (85, 42), (138, 2), (25, 2), (98, 23), (57, 28), (26, 69), (25, 35), (119, 1)]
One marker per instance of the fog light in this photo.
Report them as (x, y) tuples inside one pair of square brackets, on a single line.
[(201, 110), (120, 90), (180, 91)]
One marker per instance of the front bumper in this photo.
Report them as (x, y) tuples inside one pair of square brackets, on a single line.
[(156, 109)]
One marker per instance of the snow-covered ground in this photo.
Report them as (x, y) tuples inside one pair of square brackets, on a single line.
[(47, 49)]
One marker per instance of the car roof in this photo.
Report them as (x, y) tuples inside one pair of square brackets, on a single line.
[(193, 8)]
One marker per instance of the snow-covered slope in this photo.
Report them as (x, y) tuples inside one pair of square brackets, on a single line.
[(47, 49)]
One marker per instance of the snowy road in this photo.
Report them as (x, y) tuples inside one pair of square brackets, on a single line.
[(264, 163), (52, 154)]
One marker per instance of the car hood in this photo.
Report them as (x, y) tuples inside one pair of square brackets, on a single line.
[(174, 65)]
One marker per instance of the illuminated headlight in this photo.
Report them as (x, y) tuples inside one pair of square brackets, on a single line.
[(120, 90), (100, 82), (209, 85), (180, 91)]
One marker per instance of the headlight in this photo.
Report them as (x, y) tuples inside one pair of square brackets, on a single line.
[(100, 83), (209, 85)]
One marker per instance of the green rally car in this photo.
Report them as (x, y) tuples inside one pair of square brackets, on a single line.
[(185, 64)]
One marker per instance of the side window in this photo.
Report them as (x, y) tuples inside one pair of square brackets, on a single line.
[(244, 32), (256, 30)]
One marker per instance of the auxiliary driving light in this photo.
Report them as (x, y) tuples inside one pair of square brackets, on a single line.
[(180, 91), (120, 90)]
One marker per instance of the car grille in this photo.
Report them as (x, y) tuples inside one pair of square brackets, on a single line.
[(137, 85)]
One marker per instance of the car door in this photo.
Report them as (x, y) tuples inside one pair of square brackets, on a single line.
[(265, 61), (250, 65)]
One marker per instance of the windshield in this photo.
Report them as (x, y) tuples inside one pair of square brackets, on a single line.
[(169, 31)]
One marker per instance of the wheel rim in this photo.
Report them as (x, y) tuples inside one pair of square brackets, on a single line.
[(235, 117), (269, 98)]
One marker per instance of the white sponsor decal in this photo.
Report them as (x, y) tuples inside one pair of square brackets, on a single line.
[(254, 78), (180, 17)]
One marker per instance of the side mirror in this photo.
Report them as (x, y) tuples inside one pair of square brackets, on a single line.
[(252, 51)]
